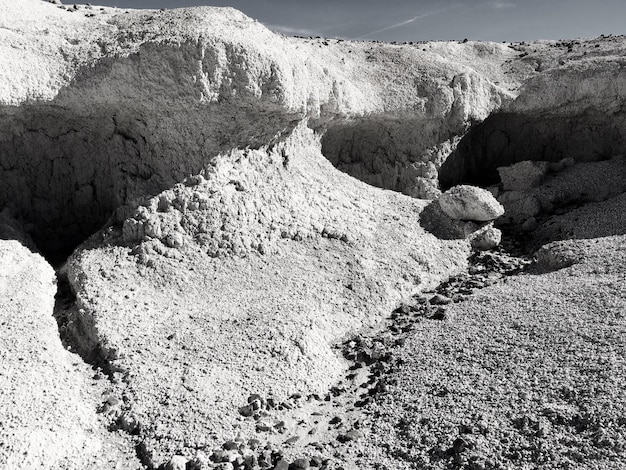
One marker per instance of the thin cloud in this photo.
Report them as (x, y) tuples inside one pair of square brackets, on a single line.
[(291, 31), (409, 21), (503, 5)]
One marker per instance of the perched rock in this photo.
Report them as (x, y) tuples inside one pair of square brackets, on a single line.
[(523, 175), (465, 202)]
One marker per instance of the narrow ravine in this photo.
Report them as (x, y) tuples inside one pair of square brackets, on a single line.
[(78, 338)]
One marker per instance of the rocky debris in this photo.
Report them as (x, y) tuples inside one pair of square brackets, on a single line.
[(242, 455), (554, 209), (486, 238), (524, 175), (372, 358), (557, 255), (519, 206), (504, 383), (470, 203)]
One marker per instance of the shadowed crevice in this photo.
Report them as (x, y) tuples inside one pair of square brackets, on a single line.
[(507, 138)]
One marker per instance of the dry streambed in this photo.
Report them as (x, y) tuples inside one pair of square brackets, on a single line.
[(329, 431)]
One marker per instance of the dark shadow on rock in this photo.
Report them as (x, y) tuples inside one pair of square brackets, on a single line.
[(435, 221), (507, 138), (11, 229), (116, 134), (388, 152)]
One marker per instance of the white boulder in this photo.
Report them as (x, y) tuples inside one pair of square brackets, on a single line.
[(466, 202)]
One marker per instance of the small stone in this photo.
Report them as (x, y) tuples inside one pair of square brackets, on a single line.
[(440, 314), (263, 427), (291, 440), (281, 465), (195, 180), (174, 240), (223, 466), (254, 397), (459, 445), (230, 445), (112, 401), (129, 423), (178, 462), (557, 255), (439, 299), (476, 463), (486, 238), (199, 462), (316, 461), (300, 464), (254, 444), (352, 435), (217, 455), (246, 411)]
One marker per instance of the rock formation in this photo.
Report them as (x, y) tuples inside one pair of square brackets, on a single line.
[(230, 211)]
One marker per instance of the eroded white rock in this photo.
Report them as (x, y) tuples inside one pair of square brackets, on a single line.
[(466, 202)]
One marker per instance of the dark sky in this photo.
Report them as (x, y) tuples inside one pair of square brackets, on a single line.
[(414, 20)]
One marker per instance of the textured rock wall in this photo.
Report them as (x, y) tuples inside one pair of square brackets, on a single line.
[(573, 111), (124, 105)]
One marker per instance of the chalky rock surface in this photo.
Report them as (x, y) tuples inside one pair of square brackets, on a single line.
[(48, 408), (244, 209)]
